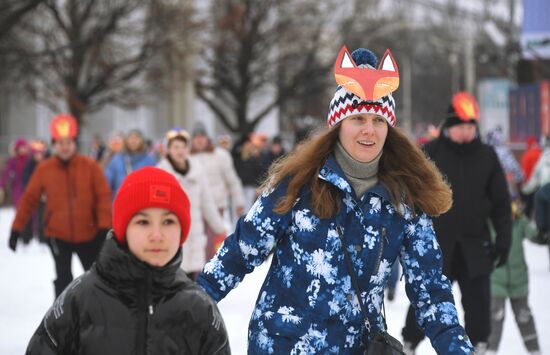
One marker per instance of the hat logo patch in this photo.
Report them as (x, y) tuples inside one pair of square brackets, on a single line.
[(159, 193)]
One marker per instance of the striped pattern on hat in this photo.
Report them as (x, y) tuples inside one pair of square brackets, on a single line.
[(345, 104)]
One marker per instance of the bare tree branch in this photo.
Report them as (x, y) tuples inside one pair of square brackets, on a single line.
[(89, 53)]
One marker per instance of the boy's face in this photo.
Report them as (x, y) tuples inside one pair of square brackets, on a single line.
[(462, 133), (64, 148), (153, 236)]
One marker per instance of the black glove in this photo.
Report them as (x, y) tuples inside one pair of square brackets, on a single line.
[(13, 240), (500, 255), (540, 238)]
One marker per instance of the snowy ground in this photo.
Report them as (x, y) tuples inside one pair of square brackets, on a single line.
[(27, 292)]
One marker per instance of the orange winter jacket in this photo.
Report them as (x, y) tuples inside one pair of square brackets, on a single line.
[(78, 199)]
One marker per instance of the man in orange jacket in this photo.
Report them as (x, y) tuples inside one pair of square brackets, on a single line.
[(78, 202)]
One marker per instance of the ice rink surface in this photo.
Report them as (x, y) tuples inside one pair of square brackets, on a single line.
[(27, 292)]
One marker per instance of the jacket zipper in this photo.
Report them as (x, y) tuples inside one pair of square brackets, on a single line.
[(383, 237), (145, 310), (69, 192)]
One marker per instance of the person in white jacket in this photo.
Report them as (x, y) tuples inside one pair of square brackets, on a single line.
[(223, 181), (191, 176)]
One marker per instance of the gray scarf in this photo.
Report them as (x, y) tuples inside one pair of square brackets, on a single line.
[(362, 176)]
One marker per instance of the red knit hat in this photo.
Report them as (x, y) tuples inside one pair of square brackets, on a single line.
[(145, 188)]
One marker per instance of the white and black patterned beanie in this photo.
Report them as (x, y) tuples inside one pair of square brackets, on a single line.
[(345, 103)]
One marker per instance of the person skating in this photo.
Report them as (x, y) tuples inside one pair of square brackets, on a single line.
[(78, 202), (539, 185), (134, 156), (225, 186), (480, 195), (359, 185), (136, 299), (12, 175), (510, 282), (190, 174), (35, 227)]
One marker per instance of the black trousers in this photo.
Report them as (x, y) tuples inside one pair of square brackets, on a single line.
[(62, 253), (476, 302)]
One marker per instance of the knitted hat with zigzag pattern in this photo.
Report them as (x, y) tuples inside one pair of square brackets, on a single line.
[(345, 103)]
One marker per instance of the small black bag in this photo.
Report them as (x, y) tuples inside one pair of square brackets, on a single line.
[(382, 343)]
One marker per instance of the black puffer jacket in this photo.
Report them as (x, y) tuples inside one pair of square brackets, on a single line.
[(124, 306), (480, 195)]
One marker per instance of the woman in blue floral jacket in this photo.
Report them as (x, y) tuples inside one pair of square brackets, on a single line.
[(364, 178)]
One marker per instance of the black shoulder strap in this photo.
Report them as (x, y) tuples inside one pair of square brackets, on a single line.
[(355, 283)]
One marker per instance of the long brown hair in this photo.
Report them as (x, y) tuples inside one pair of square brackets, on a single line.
[(404, 170), (410, 176)]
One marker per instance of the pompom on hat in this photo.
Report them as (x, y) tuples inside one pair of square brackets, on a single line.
[(146, 188), (63, 126), (362, 88)]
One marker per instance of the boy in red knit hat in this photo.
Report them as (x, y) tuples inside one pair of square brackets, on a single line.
[(136, 298)]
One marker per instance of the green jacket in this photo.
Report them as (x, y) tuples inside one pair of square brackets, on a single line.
[(511, 279)]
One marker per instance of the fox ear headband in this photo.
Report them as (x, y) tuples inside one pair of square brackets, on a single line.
[(362, 88), (368, 83)]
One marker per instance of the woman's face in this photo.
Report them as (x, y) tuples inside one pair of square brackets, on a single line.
[(134, 142), (200, 143), (178, 151), (363, 136), (153, 236)]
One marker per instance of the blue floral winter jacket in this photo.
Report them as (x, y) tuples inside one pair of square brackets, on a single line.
[(307, 304)]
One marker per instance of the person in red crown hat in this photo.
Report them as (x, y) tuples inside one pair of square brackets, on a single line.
[(78, 202), (136, 299), (480, 197)]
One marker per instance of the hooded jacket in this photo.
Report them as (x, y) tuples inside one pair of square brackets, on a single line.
[(511, 280), (307, 304), (12, 177), (123, 306)]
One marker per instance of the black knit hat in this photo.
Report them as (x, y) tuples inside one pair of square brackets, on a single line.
[(463, 109)]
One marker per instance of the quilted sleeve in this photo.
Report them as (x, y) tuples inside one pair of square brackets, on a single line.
[(253, 240)]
